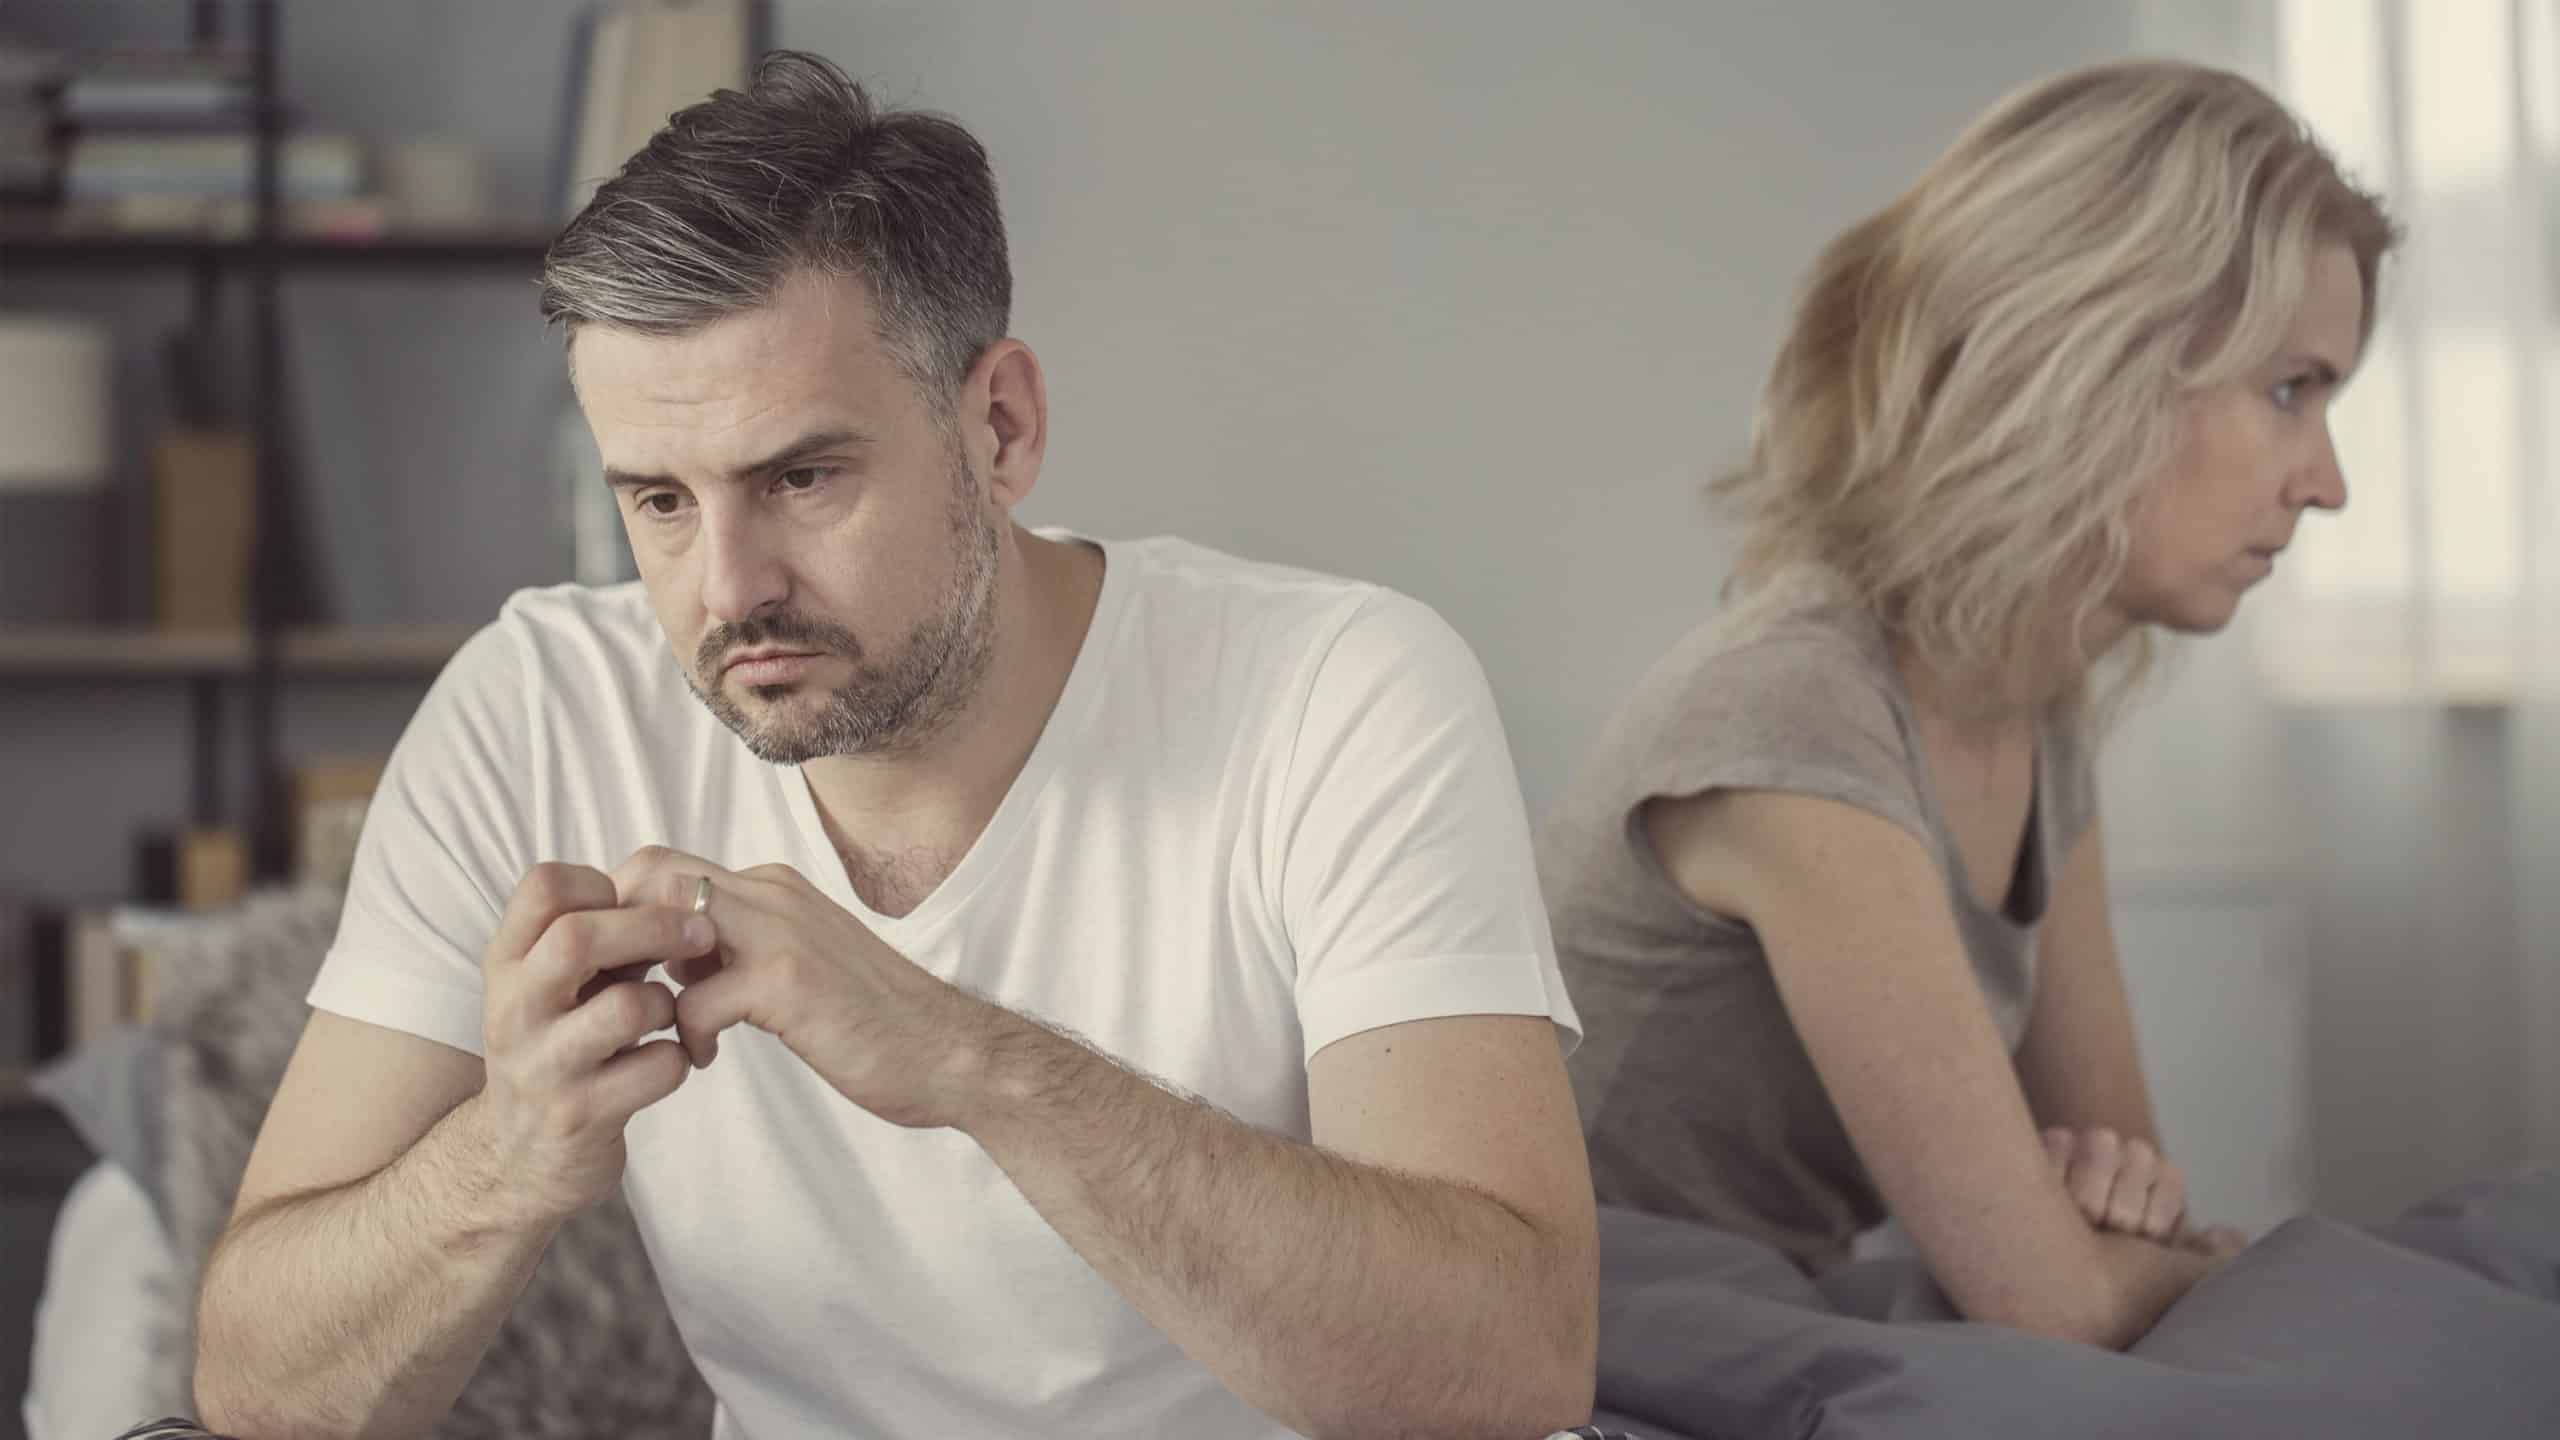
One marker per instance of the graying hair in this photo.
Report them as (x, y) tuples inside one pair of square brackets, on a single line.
[(797, 171)]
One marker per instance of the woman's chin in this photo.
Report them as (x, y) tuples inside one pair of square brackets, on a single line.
[(2201, 614)]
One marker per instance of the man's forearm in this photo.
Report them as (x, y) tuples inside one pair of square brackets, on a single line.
[(363, 1309), (1336, 1296)]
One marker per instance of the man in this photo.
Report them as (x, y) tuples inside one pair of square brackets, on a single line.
[(1109, 990)]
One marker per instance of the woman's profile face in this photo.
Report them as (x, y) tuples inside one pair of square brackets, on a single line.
[(2252, 455)]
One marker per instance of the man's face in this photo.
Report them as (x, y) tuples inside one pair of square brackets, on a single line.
[(814, 541)]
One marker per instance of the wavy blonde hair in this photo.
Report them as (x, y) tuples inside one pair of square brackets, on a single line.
[(1983, 378)]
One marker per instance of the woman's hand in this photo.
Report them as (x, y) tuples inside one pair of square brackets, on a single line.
[(2109, 1177), (2122, 1185)]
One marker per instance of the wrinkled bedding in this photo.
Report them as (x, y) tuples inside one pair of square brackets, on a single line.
[(2445, 1322)]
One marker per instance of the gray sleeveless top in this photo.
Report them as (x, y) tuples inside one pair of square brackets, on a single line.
[(1696, 1094)]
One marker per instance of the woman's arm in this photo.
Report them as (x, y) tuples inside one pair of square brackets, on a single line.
[(2082, 1070), (1862, 939), (2078, 1064)]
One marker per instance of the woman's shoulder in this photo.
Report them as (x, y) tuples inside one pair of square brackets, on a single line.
[(1785, 693), (1788, 658)]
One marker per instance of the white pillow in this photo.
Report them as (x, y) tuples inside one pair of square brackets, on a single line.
[(105, 1278)]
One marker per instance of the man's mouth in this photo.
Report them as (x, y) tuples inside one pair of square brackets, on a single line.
[(768, 666)]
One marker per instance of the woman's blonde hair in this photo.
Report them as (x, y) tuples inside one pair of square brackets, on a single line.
[(1982, 378)]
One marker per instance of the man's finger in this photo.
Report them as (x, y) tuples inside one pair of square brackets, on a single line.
[(579, 947), (710, 1006), (632, 1082), (617, 1019), (660, 875), (547, 892), (618, 975), (694, 969)]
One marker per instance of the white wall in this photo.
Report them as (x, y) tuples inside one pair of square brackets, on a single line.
[(1472, 298), (1469, 298)]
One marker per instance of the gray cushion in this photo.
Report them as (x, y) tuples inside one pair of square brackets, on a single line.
[(589, 1348), (109, 1089)]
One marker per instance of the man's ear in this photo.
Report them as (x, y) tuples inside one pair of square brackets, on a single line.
[(1009, 428)]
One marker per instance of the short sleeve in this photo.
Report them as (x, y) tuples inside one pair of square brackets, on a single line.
[(1407, 884), (446, 838), (1801, 711)]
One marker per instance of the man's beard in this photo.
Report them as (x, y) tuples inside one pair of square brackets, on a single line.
[(886, 706)]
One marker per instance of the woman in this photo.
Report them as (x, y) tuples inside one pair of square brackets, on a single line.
[(1832, 894)]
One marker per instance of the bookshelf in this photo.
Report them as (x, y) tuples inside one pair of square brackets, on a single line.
[(32, 248), (242, 269), (138, 652)]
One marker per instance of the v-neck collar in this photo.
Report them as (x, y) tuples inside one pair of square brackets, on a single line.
[(1068, 719)]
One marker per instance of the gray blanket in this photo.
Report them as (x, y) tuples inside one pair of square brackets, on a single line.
[(2446, 1322)]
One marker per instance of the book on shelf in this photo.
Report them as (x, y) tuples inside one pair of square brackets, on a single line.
[(119, 956), (639, 64), (114, 960), (204, 490), (232, 217), (330, 796), (101, 988), (157, 84), (111, 166)]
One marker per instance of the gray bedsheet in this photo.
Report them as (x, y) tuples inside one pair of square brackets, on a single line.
[(2446, 1322)]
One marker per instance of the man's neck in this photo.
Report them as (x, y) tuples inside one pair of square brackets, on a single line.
[(900, 822)]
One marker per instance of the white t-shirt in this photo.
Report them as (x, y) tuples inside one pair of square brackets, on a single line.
[(1271, 809)]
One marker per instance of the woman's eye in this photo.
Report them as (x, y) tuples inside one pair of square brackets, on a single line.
[(2287, 394)]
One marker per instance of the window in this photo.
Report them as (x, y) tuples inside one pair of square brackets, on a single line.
[(2451, 109)]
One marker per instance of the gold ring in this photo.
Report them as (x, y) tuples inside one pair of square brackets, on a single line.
[(702, 895)]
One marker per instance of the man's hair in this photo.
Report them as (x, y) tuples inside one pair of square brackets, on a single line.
[(1984, 378), (799, 171)]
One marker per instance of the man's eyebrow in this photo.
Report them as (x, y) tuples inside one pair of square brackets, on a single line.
[(815, 443)]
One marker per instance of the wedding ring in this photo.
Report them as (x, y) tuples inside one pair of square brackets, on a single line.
[(702, 895)]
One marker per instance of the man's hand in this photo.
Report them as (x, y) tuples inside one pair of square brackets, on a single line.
[(891, 1036), (563, 1016)]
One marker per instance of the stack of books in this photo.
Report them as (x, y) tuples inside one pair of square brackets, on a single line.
[(71, 970), (72, 974), (29, 93), (169, 142)]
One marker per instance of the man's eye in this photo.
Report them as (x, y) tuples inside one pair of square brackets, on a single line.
[(805, 478), (661, 504)]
